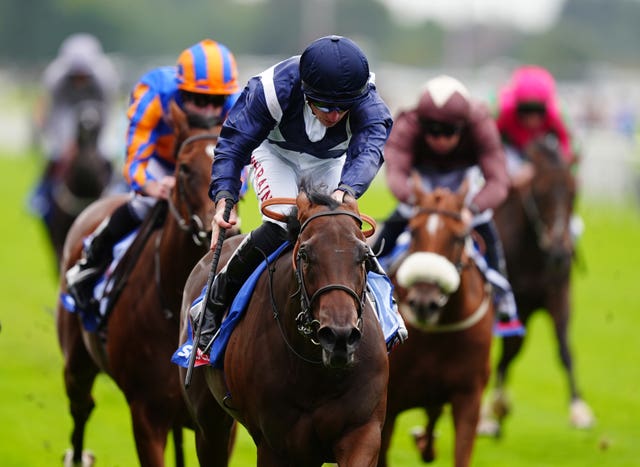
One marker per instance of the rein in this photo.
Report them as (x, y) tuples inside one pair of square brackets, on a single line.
[(194, 225)]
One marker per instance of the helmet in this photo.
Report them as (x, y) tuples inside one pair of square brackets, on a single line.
[(444, 99), (80, 52), (334, 69), (207, 67), (532, 83)]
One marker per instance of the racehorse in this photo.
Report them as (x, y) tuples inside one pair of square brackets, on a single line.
[(135, 345), (448, 308), (79, 178), (534, 224), (305, 370)]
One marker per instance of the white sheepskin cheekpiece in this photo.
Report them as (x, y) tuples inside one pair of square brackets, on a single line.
[(428, 267)]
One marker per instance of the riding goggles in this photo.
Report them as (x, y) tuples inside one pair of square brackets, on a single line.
[(204, 100), (531, 108), (327, 107), (434, 128)]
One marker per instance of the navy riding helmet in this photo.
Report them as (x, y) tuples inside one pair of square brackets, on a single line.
[(334, 69)]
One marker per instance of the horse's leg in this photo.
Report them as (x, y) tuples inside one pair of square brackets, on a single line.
[(425, 440), (151, 425), (178, 447), (359, 447), (466, 413), (387, 433), (80, 372), (580, 415)]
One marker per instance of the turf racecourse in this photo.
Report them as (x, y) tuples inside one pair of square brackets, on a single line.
[(35, 425)]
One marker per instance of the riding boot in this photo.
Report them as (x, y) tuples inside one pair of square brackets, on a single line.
[(256, 247), (97, 254)]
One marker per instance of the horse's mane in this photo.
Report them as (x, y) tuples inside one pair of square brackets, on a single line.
[(317, 194)]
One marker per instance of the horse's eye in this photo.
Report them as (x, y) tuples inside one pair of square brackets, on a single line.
[(184, 169), (303, 255)]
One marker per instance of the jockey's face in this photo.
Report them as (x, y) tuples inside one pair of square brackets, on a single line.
[(442, 144), (328, 114), (207, 106), (531, 115)]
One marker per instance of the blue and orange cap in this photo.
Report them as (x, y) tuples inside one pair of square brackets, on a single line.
[(208, 67)]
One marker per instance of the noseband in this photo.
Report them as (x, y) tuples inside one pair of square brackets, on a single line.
[(308, 326), (194, 225)]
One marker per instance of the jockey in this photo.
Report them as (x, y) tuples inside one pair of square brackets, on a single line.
[(204, 83), (447, 138), (80, 73), (528, 108), (315, 115)]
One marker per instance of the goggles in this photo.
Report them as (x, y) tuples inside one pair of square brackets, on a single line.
[(525, 108), (433, 128), (204, 100), (327, 107)]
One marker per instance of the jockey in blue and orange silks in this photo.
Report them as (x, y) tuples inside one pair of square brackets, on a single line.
[(528, 108), (204, 83)]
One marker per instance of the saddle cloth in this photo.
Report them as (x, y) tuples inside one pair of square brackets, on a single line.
[(102, 288), (379, 293)]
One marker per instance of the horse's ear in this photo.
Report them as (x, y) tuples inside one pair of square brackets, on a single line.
[(463, 189), (303, 202), (351, 203), (416, 184), (178, 119)]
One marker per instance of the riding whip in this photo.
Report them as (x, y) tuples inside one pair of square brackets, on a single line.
[(205, 300)]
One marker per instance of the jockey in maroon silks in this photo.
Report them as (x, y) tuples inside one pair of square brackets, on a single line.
[(449, 137)]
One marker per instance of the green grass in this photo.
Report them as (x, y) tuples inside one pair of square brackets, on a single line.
[(35, 423)]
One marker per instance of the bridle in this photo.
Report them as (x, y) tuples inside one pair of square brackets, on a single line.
[(532, 212), (194, 224), (307, 325)]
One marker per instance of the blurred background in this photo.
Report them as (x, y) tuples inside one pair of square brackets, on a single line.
[(589, 45)]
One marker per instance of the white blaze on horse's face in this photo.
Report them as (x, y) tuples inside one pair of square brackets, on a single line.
[(433, 223)]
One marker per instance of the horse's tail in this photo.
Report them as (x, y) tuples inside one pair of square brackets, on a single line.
[(177, 444)]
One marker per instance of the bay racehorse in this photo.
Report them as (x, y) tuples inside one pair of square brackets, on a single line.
[(448, 308), (135, 345), (79, 178), (534, 224), (305, 370)]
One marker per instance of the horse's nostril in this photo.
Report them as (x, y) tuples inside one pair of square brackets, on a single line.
[(327, 337), (354, 337)]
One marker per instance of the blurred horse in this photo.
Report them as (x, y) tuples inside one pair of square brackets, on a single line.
[(448, 308), (305, 370), (79, 178), (135, 345), (534, 224)]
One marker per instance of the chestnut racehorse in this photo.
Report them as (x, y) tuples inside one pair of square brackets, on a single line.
[(142, 329), (448, 308), (534, 224), (306, 368)]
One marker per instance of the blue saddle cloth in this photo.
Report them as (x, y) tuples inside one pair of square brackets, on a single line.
[(380, 292)]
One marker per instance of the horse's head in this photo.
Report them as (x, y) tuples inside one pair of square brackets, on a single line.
[(329, 257), (189, 203), (430, 273), (548, 202)]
